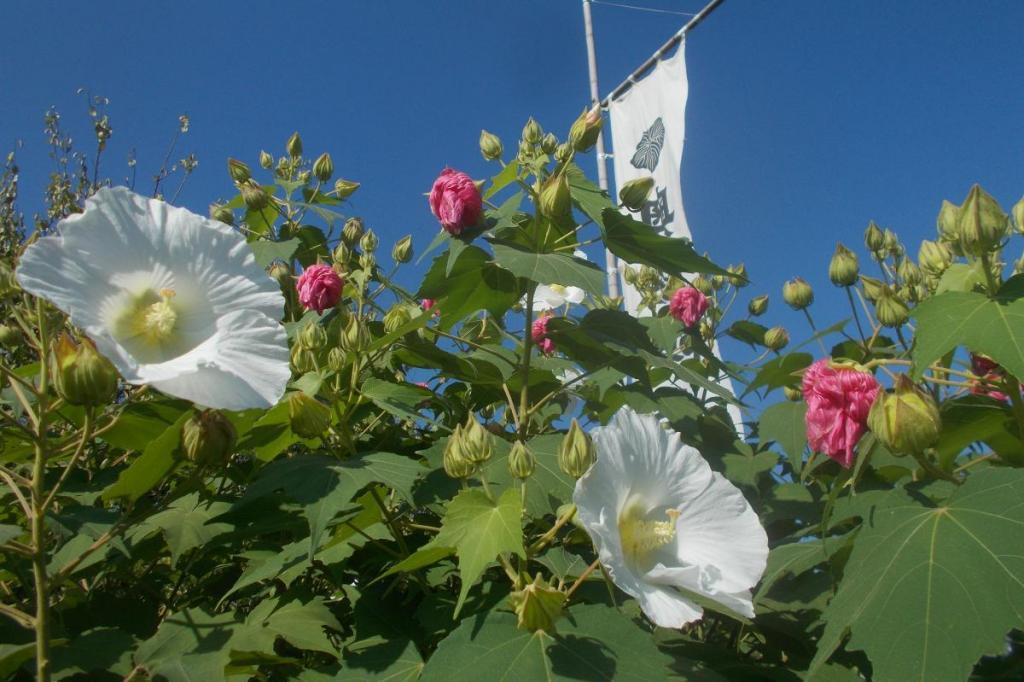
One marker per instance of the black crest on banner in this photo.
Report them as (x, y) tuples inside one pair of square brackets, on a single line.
[(648, 150)]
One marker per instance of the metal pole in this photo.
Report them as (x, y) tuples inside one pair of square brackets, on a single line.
[(672, 42), (602, 161)]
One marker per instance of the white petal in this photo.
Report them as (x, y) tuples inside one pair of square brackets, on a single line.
[(574, 294), (667, 608), (580, 254), (719, 531), (243, 365), (546, 298), (654, 464)]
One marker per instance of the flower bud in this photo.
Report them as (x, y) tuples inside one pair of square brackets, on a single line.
[(538, 606), (82, 376), (981, 223), (909, 272), (872, 287), (266, 160), (476, 441), (793, 393), (906, 420), (208, 438), (703, 285), (396, 317), (739, 275), (222, 213), (584, 131), (797, 293), (549, 143), (456, 464), (294, 145), (554, 200), (576, 453), (254, 196), (353, 231), (874, 238), (521, 462), (890, 309), (354, 336), (302, 359), (401, 252), (532, 132), (892, 243), (10, 336), (490, 146), (313, 337), (563, 153), (345, 188), (843, 268), (369, 242), (323, 167), (525, 152), (758, 305), (308, 417), (948, 222), (8, 283), (776, 338), (1018, 215), (634, 193), (934, 257), (367, 262), (281, 273), (629, 274), (238, 170)]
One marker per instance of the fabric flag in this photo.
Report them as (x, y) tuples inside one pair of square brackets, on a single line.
[(648, 131)]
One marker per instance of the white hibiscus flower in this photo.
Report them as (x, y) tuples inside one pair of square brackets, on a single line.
[(661, 518), (173, 299), (552, 296)]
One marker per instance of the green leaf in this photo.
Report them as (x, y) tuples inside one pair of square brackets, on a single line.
[(748, 332), (784, 423), (928, 590), (141, 423), (480, 529), (548, 488), (474, 283), (189, 646), (780, 372), (98, 650), (324, 486), (272, 434), (961, 277), (983, 325), (184, 524), (549, 268), (503, 179), (401, 400), (587, 196), (634, 242), (392, 660), (663, 331), (266, 251), (424, 556), (300, 623), (157, 460), (594, 643)]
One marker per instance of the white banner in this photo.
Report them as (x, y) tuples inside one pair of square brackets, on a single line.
[(648, 132)]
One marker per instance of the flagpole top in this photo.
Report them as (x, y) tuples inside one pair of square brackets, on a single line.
[(660, 52)]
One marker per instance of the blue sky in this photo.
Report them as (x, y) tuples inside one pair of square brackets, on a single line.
[(805, 120)]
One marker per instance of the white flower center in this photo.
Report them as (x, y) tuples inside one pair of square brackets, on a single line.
[(558, 289), (640, 535)]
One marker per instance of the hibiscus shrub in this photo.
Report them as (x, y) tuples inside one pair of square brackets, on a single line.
[(239, 446)]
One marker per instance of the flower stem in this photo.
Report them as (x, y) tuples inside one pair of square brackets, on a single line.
[(38, 516), (524, 393), (583, 576), (550, 535), (856, 315)]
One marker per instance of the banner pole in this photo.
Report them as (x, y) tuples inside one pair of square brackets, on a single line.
[(612, 269), (669, 44)]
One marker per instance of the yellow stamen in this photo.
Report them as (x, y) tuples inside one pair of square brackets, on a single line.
[(151, 318), (558, 289), (640, 536)]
